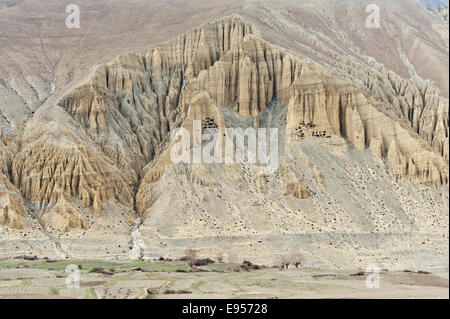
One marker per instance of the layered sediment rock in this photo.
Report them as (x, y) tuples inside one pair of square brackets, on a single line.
[(325, 107), (131, 104), (252, 74), (12, 210), (47, 173), (293, 185)]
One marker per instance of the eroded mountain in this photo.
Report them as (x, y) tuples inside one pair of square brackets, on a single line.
[(362, 167)]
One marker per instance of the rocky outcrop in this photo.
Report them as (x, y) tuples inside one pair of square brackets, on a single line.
[(12, 210), (420, 104), (8, 147), (251, 75), (202, 109), (61, 178), (297, 189), (131, 104), (64, 216), (46, 173), (293, 185), (322, 107)]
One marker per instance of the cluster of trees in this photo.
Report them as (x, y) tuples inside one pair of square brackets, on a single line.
[(295, 259), (191, 258)]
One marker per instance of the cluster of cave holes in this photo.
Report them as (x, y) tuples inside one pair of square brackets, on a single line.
[(307, 129), (209, 125)]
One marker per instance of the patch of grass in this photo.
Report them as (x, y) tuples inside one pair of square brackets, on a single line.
[(264, 284), (26, 283), (90, 294), (54, 291), (88, 265), (112, 282), (345, 277), (151, 296), (196, 285), (221, 267)]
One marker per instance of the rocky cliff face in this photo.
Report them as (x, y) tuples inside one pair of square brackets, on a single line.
[(100, 154), (130, 105), (323, 108), (12, 211)]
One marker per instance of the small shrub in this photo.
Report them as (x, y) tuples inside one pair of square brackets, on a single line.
[(169, 292), (195, 269), (360, 273), (26, 257), (296, 259), (54, 291), (100, 270), (245, 267), (183, 292), (201, 262), (97, 270), (152, 291)]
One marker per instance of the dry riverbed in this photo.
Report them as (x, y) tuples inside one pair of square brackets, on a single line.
[(174, 279)]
